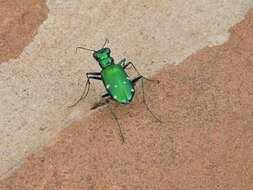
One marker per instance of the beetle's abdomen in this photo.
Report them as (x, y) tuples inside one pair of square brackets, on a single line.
[(118, 84)]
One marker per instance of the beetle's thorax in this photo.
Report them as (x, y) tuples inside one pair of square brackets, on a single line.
[(103, 57)]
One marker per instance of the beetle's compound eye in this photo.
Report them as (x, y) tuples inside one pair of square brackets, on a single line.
[(95, 55)]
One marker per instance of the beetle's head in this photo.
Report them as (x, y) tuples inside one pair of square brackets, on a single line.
[(103, 57)]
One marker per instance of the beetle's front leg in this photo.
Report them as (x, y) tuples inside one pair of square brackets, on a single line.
[(90, 75)]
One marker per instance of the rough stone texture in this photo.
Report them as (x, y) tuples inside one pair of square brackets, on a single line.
[(19, 21), (37, 87), (204, 143)]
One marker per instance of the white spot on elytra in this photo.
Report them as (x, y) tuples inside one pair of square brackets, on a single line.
[(107, 86), (132, 90), (124, 82), (116, 86), (114, 97)]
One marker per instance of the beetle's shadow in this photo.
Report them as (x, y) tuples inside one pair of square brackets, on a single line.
[(100, 103)]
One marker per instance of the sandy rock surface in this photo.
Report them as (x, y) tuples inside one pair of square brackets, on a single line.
[(48, 75), (205, 140)]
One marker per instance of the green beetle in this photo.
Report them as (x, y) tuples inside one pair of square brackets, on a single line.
[(117, 83), (115, 79)]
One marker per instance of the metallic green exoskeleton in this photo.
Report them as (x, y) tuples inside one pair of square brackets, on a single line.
[(117, 83), (114, 77)]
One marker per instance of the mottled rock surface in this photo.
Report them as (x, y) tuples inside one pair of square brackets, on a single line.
[(19, 22), (204, 143)]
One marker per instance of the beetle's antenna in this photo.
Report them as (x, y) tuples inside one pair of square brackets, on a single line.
[(85, 49), (106, 41)]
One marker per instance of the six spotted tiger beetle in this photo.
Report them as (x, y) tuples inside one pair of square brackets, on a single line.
[(118, 85)]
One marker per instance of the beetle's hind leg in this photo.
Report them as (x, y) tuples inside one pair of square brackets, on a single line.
[(106, 100), (102, 102), (91, 75), (134, 81), (118, 123)]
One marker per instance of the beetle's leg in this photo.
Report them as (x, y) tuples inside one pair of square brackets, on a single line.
[(130, 63), (123, 63), (144, 97), (106, 95), (104, 101), (119, 127), (101, 103), (91, 75), (107, 101), (135, 80)]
